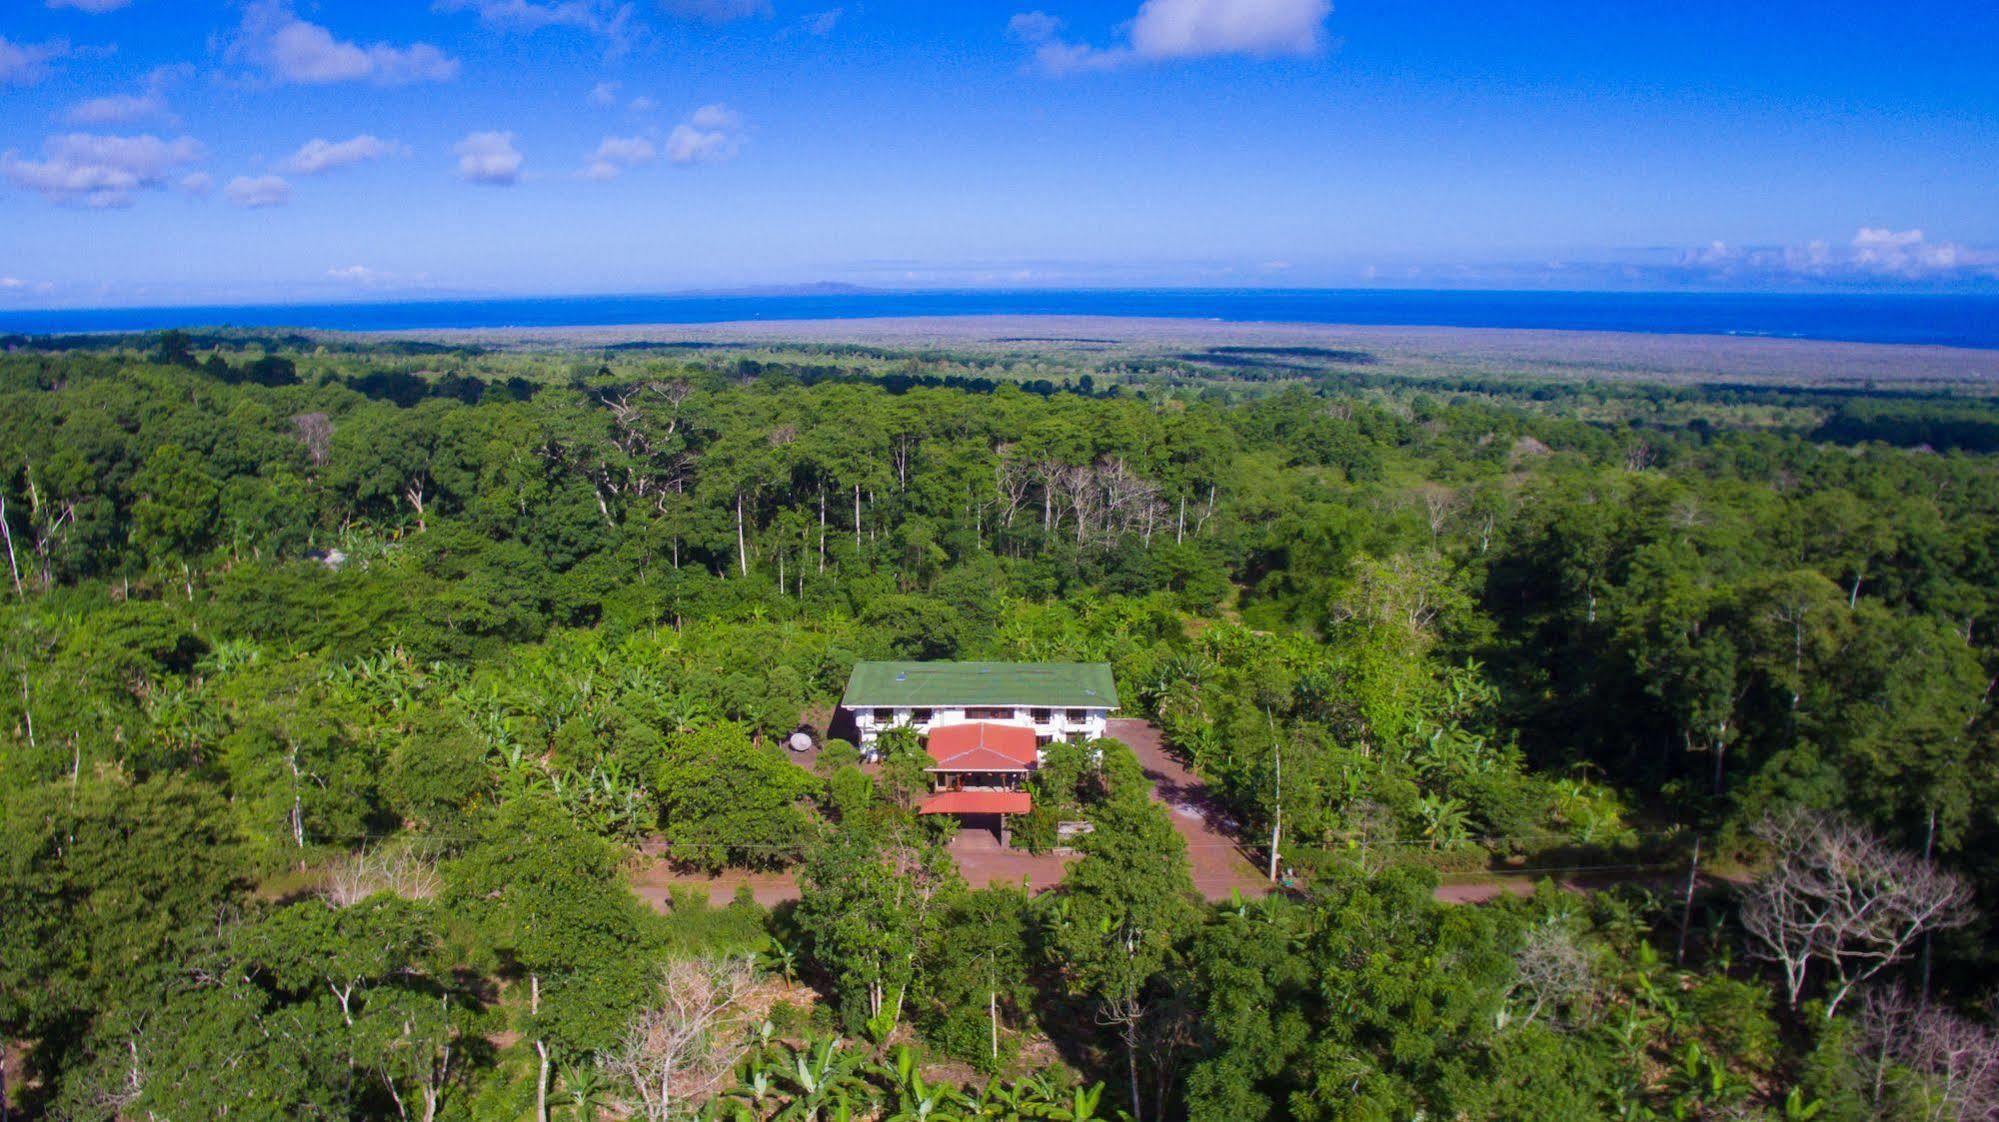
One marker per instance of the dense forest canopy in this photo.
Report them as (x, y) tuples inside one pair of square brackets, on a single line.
[(346, 684)]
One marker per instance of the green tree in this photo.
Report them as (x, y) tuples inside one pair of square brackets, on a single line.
[(547, 898), (729, 801), (1123, 908)]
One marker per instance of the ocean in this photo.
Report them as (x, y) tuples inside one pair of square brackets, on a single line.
[(1944, 320)]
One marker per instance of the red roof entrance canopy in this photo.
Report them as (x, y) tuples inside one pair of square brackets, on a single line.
[(978, 802), (983, 746)]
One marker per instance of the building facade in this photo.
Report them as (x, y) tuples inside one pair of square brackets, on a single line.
[(1057, 700), (985, 725)]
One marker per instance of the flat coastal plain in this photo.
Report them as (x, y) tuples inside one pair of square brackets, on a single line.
[(1579, 355)]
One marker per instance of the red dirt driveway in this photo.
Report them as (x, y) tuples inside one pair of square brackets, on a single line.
[(1221, 866)]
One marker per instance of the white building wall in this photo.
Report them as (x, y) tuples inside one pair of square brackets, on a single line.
[(1061, 724)]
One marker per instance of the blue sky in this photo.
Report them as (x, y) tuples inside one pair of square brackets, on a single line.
[(177, 151)]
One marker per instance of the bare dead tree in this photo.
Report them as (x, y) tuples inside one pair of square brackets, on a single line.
[(1928, 1062), (1839, 898), (315, 431), (14, 567), (902, 450), (1012, 481), (48, 518), (1550, 970), (1049, 473), (1440, 505), (1126, 1015), (396, 871), (676, 1053)]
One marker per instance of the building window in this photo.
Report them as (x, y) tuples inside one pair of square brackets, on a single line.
[(1041, 716), (922, 716), (989, 714), (1078, 716)]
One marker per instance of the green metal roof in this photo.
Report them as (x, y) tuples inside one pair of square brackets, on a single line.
[(1077, 685)]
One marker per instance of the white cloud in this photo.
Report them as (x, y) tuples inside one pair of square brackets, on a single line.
[(197, 183), (489, 158), (715, 117), (1033, 27), (317, 155), (643, 104), (822, 23), (120, 109), (360, 275), (617, 153), (1908, 253), (1874, 254), (101, 171), (604, 94), (293, 50), (260, 191), (12, 283), (710, 135), (1195, 28), (1164, 30), (524, 15), (599, 17), (24, 64), (715, 11), (94, 6)]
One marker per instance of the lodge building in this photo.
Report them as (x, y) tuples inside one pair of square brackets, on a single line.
[(985, 725)]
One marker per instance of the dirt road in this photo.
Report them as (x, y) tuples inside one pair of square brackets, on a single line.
[(1221, 867)]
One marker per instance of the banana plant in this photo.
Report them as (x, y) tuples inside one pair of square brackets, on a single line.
[(819, 1078), (1081, 1105), (913, 1098), (585, 1087), (1797, 1108), (1700, 1084), (1445, 820), (781, 960)]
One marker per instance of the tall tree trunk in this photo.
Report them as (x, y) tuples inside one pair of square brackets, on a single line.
[(541, 1050), (742, 543), (857, 518), (1687, 902), (15, 567), (541, 1083), (1180, 526), (298, 808), (27, 716), (1131, 1070), (992, 1012), (822, 529)]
